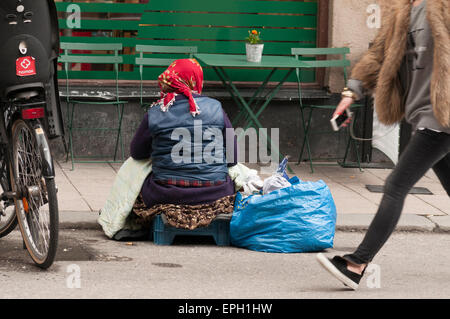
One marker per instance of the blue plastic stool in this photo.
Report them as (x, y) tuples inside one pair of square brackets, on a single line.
[(219, 229)]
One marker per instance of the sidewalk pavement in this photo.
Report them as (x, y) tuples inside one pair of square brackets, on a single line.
[(83, 191)]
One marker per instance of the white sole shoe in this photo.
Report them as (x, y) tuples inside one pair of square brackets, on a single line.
[(328, 265)]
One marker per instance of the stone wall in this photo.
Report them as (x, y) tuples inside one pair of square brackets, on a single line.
[(352, 24)]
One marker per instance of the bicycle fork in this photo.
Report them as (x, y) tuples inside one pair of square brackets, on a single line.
[(48, 169)]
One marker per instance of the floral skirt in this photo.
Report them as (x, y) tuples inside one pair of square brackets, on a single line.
[(184, 216)]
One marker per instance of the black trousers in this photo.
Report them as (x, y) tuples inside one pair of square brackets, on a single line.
[(426, 149)]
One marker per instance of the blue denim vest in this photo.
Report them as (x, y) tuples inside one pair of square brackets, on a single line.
[(186, 147)]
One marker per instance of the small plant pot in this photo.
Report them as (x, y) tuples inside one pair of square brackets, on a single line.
[(254, 52)]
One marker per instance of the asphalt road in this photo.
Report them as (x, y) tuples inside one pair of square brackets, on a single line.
[(411, 265)]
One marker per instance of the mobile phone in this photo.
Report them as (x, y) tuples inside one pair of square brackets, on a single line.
[(338, 120)]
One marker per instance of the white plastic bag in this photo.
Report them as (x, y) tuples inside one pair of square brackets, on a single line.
[(274, 182), (278, 180), (253, 185)]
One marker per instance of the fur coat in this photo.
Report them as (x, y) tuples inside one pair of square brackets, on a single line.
[(379, 67)]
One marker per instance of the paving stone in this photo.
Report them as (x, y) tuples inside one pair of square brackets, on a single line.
[(86, 188), (442, 222)]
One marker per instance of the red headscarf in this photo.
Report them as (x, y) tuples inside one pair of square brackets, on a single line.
[(184, 76)]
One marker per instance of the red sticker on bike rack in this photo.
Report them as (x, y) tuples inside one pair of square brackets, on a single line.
[(25, 66)]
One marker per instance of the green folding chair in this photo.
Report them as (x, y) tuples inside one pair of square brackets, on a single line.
[(114, 59), (306, 123), (158, 60)]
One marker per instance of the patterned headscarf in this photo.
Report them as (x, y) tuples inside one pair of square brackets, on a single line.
[(184, 76)]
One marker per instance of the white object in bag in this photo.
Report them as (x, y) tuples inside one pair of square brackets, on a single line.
[(253, 185), (274, 182)]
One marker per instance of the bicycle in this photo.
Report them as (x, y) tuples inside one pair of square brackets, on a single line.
[(30, 114)]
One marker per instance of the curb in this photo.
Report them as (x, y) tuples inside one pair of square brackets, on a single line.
[(407, 223), (79, 220), (406, 229), (345, 222), (442, 223), (80, 226)]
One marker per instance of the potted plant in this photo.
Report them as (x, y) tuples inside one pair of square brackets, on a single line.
[(254, 46)]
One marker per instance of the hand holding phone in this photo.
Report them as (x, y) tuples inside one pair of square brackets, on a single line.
[(340, 119)]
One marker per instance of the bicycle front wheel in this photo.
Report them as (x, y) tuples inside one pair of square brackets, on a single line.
[(37, 206)]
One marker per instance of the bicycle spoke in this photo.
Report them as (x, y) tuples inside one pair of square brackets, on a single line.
[(29, 175)]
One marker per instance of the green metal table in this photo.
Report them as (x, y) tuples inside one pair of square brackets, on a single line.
[(250, 109)]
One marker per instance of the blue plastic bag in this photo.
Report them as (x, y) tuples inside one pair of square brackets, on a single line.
[(282, 167), (299, 218)]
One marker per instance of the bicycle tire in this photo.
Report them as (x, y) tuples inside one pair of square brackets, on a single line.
[(9, 226), (8, 222), (27, 169)]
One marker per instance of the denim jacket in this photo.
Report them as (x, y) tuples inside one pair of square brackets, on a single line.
[(186, 147)]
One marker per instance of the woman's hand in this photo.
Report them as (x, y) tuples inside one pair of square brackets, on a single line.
[(345, 103)]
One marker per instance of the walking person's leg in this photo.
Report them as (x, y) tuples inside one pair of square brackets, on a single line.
[(442, 170), (426, 149)]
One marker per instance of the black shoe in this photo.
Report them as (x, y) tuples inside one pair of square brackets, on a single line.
[(338, 268)]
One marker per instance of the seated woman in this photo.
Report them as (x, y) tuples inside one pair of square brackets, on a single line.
[(185, 120)]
